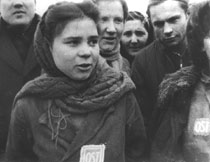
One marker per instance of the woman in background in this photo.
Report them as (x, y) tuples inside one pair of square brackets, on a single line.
[(81, 109), (137, 34), (112, 16)]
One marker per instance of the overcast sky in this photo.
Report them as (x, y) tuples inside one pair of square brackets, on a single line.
[(138, 5), (133, 5)]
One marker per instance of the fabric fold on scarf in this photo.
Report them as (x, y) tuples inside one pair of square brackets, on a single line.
[(103, 89), (113, 58), (111, 55)]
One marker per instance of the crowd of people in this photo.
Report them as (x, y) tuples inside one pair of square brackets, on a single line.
[(94, 82)]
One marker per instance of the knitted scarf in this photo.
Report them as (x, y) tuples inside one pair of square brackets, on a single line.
[(104, 87), (111, 55), (113, 58), (102, 90)]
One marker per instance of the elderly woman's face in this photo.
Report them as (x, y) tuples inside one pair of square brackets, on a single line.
[(110, 24), (75, 51), (134, 36)]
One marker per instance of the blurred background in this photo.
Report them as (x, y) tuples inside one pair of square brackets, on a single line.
[(133, 5)]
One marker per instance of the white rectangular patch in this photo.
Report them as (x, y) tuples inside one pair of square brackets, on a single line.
[(92, 153), (202, 127)]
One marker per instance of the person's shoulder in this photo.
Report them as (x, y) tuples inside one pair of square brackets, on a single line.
[(183, 79), (30, 105), (127, 100), (147, 51), (146, 55)]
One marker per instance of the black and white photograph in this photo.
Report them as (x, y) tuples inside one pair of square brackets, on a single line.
[(104, 80)]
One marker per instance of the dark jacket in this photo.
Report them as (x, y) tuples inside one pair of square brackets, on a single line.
[(175, 97), (148, 69), (14, 74), (119, 128)]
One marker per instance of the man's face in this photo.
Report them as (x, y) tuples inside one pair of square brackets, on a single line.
[(17, 12), (169, 21), (111, 23)]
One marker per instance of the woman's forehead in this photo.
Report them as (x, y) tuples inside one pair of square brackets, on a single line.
[(80, 27)]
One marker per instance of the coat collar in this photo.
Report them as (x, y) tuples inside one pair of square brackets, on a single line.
[(10, 55), (8, 52), (181, 80)]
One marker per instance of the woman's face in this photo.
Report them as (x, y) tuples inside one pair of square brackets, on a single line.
[(75, 51), (134, 37), (111, 23)]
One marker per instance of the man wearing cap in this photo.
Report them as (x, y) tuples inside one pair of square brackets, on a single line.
[(17, 61), (166, 54)]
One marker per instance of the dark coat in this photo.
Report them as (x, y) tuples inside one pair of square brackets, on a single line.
[(171, 116), (14, 74), (148, 70), (119, 128)]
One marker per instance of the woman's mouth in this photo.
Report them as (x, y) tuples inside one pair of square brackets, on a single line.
[(170, 39), (18, 12), (109, 39), (84, 67), (135, 49)]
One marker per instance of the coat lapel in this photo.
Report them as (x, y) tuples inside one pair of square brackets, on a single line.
[(30, 61), (8, 52)]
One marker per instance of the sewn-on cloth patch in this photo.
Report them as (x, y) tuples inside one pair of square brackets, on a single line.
[(92, 153), (202, 127)]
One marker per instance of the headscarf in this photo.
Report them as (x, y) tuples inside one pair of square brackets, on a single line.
[(104, 87)]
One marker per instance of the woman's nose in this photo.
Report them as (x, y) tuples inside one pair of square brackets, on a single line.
[(111, 27), (18, 3), (85, 50), (134, 39)]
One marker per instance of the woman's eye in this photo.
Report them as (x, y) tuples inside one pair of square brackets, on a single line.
[(118, 20), (103, 19), (93, 42), (140, 33), (159, 24), (127, 33), (73, 42)]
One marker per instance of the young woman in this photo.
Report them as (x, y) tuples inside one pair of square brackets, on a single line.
[(183, 116), (136, 35), (81, 109)]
